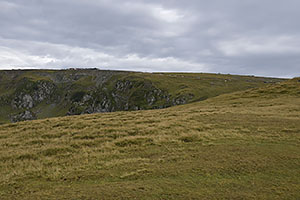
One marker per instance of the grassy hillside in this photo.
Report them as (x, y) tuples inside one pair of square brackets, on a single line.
[(39, 94), (244, 145)]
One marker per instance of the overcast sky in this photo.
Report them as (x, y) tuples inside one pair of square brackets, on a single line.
[(259, 37)]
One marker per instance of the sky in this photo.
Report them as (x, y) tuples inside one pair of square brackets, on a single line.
[(250, 37)]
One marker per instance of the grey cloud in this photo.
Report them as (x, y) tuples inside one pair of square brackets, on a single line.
[(232, 36)]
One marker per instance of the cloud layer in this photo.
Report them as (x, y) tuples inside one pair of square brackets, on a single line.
[(232, 36)]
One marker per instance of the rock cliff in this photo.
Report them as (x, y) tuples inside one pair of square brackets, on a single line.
[(33, 94)]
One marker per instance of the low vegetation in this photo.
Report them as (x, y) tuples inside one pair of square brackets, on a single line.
[(39, 94), (244, 145)]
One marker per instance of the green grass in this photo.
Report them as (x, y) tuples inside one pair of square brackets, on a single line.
[(44, 110), (190, 86), (203, 85), (244, 145)]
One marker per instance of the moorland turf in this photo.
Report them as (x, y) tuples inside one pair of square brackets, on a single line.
[(244, 145)]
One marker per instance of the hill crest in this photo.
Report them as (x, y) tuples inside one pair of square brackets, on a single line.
[(37, 94)]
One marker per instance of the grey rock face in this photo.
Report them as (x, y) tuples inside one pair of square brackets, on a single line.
[(27, 101), (23, 101), (23, 116), (123, 85), (29, 98), (125, 95), (86, 98), (182, 99), (43, 91), (77, 92)]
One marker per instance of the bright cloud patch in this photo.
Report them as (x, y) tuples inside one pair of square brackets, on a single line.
[(62, 56), (166, 15), (262, 45)]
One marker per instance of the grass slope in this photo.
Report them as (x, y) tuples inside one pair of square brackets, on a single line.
[(244, 145), (203, 85), (193, 86)]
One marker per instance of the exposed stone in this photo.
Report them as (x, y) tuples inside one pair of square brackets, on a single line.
[(182, 99), (86, 98), (123, 85), (26, 115), (43, 91), (62, 89), (23, 101)]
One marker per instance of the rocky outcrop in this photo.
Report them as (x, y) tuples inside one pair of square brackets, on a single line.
[(30, 93), (39, 94), (23, 116), (22, 101), (124, 95), (109, 96), (43, 90), (182, 99)]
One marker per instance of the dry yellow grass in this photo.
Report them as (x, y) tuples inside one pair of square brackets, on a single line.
[(244, 145)]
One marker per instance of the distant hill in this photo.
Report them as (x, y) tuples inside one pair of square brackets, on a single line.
[(38, 94), (242, 145)]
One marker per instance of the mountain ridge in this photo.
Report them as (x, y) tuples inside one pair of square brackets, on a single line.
[(36, 94)]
